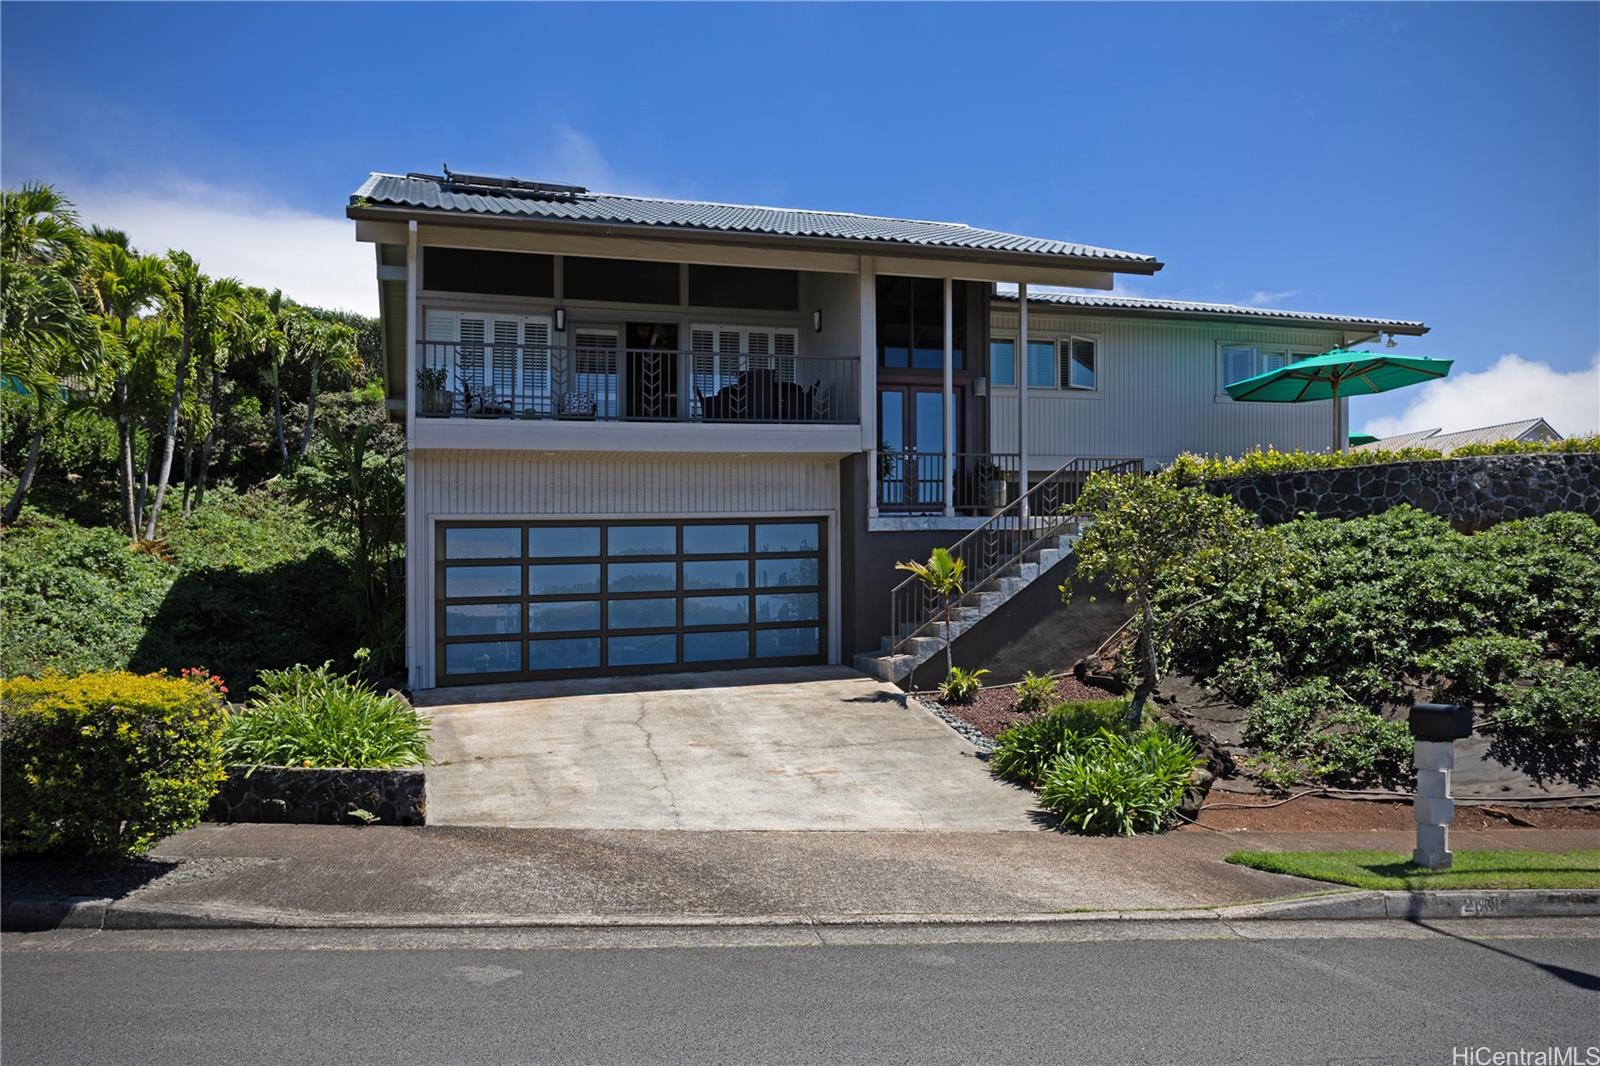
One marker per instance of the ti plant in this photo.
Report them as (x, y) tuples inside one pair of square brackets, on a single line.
[(941, 575)]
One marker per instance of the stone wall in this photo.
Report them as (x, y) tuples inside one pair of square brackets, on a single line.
[(322, 797), (1472, 493)]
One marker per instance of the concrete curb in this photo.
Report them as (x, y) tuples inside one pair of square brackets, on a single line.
[(40, 913)]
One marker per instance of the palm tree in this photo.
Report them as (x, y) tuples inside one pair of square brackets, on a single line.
[(192, 301), (127, 283), (46, 333), (941, 575), (277, 344), (323, 343)]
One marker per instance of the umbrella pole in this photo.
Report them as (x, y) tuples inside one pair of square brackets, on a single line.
[(1337, 445)]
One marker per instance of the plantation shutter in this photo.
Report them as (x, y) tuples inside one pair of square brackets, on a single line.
[(1273, 360), (469, 354), (536, 391), (1238, 363)]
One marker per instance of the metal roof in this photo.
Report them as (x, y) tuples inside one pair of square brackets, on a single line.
[(1449, 442), (1197, 309), (439, 194)]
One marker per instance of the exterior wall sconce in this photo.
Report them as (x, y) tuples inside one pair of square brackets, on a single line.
[(816, 321), (561, 320)]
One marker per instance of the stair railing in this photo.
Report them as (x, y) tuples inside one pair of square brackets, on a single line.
[(1044, 511)]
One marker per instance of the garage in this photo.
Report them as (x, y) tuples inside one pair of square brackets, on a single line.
[(577, 598)]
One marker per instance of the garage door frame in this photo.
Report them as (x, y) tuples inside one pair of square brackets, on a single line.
[(822, 554)]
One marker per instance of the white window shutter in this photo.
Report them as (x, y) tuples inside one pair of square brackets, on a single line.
[(535, 392), (1238, 363)]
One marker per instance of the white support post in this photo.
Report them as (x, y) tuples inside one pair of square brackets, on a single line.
[(868, 362), (949, 401), (1022, 393), (413, 532)]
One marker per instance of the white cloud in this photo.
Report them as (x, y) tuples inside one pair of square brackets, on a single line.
[(1513, 388), (313, 258), (1262, 298)]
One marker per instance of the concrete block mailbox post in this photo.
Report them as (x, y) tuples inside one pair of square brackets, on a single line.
[(1435, 727)]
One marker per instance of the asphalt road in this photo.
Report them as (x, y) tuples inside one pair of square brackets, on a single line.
[(1387, 994)]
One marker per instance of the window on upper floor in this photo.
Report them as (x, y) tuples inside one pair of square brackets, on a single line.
[(1240, 361), (490, 273), (1067, 363), (911, 323)]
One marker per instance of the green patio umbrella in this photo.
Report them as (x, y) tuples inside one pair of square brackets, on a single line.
[(1335, 374)]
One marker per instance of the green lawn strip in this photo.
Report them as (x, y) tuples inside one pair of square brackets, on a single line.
[(1471, 869)]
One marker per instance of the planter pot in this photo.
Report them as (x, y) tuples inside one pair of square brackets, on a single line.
[(436, 403), (992, 497)]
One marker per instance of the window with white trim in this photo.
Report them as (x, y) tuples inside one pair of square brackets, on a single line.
[(490, 362), (1070, 363), (1079, 358), (1241, 361)]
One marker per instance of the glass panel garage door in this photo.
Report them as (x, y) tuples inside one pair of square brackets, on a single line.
[(575, 598)]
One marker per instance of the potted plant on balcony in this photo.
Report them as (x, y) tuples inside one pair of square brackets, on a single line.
[(433, 397), (991, 481)]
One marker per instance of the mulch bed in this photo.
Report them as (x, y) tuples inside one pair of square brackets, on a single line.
[(996, 706), (1327, 814)]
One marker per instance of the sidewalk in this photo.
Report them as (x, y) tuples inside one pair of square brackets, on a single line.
[(321, 875)]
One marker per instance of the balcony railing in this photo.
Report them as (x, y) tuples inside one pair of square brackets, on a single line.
[(466, 380), (912, 482)]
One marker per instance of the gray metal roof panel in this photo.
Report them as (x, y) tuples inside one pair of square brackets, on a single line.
[(422, 192), (1156, 305)]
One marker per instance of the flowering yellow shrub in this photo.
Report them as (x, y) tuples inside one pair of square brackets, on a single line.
[(106, 763)]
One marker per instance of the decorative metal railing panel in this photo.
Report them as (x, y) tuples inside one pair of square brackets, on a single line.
[(990, 551), (912, 482), (482, 379)]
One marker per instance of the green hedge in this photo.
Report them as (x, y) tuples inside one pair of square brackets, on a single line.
[(106, 763), (1192, 469)]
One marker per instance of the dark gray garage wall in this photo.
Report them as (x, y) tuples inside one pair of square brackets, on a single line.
[(1035, 631), (867, 572)]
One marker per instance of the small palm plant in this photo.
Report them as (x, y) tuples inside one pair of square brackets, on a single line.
[(941, 575)]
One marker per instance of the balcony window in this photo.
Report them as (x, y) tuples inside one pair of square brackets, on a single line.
[(911, 323)]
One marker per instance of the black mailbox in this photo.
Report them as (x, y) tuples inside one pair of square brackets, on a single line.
[(1441, 721)]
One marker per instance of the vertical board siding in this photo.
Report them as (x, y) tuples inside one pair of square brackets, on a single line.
[(519, 485), (1158, 394)]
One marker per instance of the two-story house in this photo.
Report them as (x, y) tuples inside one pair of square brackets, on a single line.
[(648, 435)]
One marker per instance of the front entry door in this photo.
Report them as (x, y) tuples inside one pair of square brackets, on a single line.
[(911, 433)]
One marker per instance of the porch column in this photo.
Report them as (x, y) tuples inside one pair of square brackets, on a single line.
[(1022, 393), (415, 528), (949, 402), (867, 361)]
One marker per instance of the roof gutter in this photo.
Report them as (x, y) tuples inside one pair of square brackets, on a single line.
[(1050, 306), (381, 213)]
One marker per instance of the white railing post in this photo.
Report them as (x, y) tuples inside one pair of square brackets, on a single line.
[(867, 356), (1022, 393)]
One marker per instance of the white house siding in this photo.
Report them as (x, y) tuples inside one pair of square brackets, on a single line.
[(520, 485), (1160, 393)]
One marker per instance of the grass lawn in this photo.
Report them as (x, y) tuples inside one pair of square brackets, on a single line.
[(1472, 869)]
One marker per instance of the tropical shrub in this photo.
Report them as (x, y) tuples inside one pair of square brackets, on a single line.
[(961, 686), (1119, 783), (106, 763), (1473, 669), (1192, 469), (314, 717), (1315, 732), (1022, 751), (1557, 699), (1034, 692)]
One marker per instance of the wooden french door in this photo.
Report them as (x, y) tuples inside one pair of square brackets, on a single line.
[(911, 430)]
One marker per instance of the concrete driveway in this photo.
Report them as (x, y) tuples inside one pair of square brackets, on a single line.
[(805, 748)]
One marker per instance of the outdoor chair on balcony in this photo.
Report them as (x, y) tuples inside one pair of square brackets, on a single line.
[(759, 396)]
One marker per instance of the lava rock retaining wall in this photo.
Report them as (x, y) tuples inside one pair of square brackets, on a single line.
[(1471, 494), (321, 797)]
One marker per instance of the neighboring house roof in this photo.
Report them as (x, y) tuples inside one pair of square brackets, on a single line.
[(568, 204), (1528, 429), (1147, 306)]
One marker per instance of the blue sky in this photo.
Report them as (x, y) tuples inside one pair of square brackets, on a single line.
[(1439, 162)]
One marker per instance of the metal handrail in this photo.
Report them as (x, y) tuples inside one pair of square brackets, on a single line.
[(486, 379), (1000, 543)]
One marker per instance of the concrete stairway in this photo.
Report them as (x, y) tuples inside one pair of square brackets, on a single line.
[(968, 612)]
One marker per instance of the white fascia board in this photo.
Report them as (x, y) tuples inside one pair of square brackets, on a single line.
[(472, 434)]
